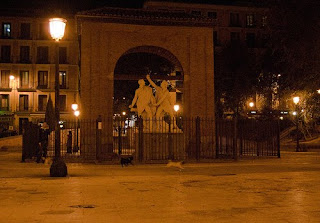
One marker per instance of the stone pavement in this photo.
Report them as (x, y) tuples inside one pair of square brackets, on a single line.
[(261, 190)]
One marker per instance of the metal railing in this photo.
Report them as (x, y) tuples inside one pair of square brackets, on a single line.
[(157, 140)]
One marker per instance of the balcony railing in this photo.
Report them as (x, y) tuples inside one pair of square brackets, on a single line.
[(5, 108)]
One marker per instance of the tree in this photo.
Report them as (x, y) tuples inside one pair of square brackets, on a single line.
[(235, 77), (294, 42), (50, 115)]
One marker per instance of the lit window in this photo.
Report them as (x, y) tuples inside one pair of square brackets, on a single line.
[(264, 21), (24, 79), (250, 20), (6, 30), (63, 79)]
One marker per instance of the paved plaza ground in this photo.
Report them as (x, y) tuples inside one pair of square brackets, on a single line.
[(260, 190)]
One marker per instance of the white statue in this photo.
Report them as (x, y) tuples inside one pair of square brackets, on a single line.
[(144, 99), (163, 100)]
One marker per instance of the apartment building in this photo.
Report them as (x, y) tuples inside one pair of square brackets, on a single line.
[(27, 68), (235, 21)]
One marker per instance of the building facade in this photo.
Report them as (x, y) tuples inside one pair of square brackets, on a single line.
[(27, 68), (234, 22)]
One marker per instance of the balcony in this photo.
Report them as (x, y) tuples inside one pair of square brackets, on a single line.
[(6, 60), (24, 109), (43, 61), (25, 61), (26, 88), (5, 108), (235, 24), (5, 87)]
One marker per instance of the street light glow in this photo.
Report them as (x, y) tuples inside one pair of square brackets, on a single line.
[(296, 99), (77, 113), (57, 27), (251, 104), (74, 106), (123, 113), (294, 113), (176, 107), (11, 77)]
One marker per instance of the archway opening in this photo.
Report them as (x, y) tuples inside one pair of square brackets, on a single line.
[(135, 65)]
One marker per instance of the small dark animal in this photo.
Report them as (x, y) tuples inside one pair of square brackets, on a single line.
[(126, 161)]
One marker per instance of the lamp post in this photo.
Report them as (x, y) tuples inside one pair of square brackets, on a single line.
[(14, 87), (77, 113), (176, 108), (58, 167), (296, 101)]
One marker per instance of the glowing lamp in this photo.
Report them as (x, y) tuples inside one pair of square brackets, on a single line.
[(57, 27), (77, 113), (296, 100), (74, 106)]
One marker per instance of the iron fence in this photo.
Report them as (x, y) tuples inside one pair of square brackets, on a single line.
[(158, 140)]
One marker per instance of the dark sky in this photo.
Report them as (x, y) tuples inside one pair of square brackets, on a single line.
[(77, 5)]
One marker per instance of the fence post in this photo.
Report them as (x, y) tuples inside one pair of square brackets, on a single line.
[(98, 136), (235, 137), (119, 139), (170, 141), (278, 138), (198, 138), (140, 126), (217, 138)]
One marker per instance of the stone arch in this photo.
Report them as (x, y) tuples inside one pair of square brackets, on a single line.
[(157, 51)]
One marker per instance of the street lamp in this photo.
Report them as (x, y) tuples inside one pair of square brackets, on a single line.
[(251, 104), (74, 106), (176, 108), (58, 167), (77, 113), (296, 101)]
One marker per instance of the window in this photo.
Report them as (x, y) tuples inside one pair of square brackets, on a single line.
[(234, 19), (24, 54), (44, 31), (63, 79), (42, 102), (23, 103), (42, 79), (234, 36), (25, 31), (197, 13), (4, 100), (63, 102), (24, 79), (250, 20), (5, 54), (43, 55), (251, 38), (212, 15), (62, 55), (5, 78), (6, 30), (264, 21)]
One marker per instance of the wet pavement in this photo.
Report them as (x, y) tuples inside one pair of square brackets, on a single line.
[(260, 190)]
